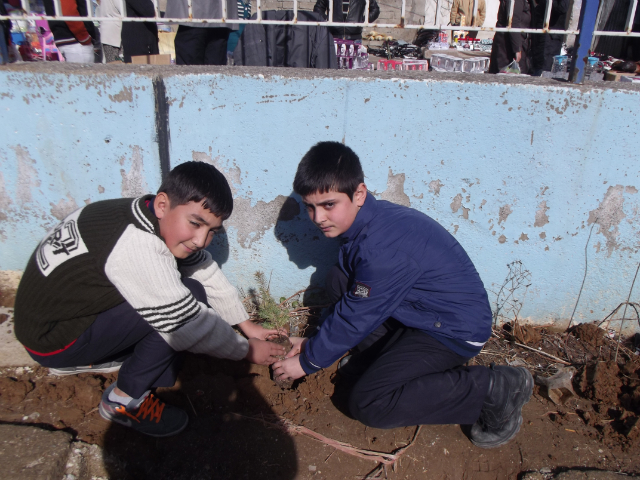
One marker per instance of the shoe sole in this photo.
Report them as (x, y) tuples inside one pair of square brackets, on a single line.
[(107, 416), (64, 373), (528, 388)]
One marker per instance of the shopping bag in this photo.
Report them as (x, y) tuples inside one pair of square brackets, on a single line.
[(513, 67)]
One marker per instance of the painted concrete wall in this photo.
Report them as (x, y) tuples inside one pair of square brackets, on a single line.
[(517, 170)]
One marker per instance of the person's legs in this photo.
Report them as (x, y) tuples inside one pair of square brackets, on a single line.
[(417, 380), (190, 44), (216, 46), (121, 332)]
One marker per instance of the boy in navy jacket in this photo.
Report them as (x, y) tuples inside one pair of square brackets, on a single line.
[(410, 306)]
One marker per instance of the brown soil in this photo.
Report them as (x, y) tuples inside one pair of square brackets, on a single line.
[(232, 406)]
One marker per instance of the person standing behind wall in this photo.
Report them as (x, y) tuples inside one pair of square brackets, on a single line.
[(202, 43), (509, 46), (347, 11), (139, 38), (73, 39), (544, 46), (464, 8), (111, 30)]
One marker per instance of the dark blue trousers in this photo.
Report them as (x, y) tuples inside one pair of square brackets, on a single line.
[(403, 376), (121, 333)]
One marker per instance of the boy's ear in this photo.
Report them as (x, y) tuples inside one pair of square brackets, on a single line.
[(161, 204), (360, 195)]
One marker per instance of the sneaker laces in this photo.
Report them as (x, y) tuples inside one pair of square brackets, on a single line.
[(152, 406)]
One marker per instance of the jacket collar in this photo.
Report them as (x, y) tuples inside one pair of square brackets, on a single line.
[(363, 217)]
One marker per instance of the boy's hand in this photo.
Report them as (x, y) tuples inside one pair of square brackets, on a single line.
[(262, 352), (298, 346), (253, 330), (288, 369)]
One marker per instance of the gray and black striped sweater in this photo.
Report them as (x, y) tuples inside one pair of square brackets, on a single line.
[(110, 252)]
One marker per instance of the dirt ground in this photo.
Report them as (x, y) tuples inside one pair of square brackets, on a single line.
[(235, 408)]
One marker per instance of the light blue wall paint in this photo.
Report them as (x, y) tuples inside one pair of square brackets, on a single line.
[(467, 148)]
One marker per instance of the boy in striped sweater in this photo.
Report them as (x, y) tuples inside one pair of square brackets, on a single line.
[(127, 285)]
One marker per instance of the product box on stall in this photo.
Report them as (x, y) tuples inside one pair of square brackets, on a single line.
[(163, 59)]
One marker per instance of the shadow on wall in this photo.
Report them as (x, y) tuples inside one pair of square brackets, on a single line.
[(306, 245), (219, 247)]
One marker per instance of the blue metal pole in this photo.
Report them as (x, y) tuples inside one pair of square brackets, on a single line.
[(586, 25), (4, 50)]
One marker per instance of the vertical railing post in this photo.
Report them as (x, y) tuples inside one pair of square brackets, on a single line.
[(586, 25), (4, 48)]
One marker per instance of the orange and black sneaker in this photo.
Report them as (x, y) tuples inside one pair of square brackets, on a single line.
[(147, 414)]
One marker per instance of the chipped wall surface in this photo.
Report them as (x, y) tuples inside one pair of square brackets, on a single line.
[(517, 170)]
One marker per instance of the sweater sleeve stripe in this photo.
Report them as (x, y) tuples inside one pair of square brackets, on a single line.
[(172, 327), (174, 315), (170, 307)]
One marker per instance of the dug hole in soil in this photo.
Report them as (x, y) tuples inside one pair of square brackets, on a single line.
[(234, 408)]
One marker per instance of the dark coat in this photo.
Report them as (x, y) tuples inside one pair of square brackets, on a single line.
[(355, 15), (402, 264), (507, 44), (139, 38), (264, 45), (544, 46)]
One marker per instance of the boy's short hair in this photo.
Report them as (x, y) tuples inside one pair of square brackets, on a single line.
[(328, 166), (199, 182)]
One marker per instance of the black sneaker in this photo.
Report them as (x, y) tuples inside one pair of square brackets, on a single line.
[(96, 368), (510, 389), (148, 415)]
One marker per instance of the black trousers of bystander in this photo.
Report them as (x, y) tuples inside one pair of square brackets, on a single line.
[(121, 333), (402, 376), (201, 45)]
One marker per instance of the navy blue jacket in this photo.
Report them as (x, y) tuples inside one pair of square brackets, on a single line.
[(402, 264)]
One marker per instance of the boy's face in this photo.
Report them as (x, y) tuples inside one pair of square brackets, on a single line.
[(185, 228), (334, 212)]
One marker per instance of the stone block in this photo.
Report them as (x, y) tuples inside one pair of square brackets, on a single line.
[(32, 453)]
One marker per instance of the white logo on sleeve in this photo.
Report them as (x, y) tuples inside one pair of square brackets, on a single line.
[(361, 290), (61, 244)]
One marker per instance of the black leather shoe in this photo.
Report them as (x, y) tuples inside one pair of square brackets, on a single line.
[(510, 388)]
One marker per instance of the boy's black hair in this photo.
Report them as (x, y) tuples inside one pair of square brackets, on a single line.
[(199, 182), (328, 166)]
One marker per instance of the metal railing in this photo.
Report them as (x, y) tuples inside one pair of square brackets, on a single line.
[(591, 11)]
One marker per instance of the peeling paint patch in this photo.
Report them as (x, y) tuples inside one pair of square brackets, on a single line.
[(64, 207), (395, 190), (502, 239), (100, 189), (543, 235), (541, 215), (435, 186), (27, 175), (252, 222), (523, 237), (5, 205), (504, 213), (125, 95), (133, 184), (457, 203), (608, 216)]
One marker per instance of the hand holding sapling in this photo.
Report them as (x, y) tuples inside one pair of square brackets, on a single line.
[(298, 346), (288, 369), (262, 352), (253, 330)]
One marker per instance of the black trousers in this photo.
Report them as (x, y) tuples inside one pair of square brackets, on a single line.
[(121, 333), (201, 46), (402, 376)]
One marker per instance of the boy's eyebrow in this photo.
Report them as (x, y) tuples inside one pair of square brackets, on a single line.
[(330, 200), (198, 218)]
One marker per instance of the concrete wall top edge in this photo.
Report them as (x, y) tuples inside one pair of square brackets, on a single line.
[(306, 73)]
